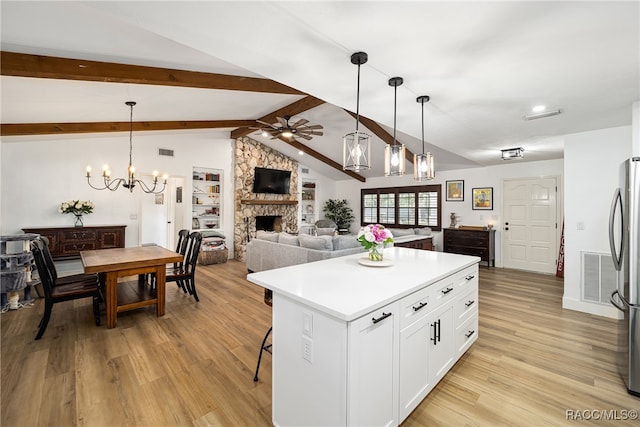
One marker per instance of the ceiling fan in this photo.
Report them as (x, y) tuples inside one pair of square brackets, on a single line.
[(289, 131)]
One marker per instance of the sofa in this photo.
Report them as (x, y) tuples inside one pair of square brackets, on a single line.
[(269, 250)]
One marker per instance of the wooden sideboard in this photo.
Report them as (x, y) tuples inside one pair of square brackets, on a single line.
[(425, 244), (67, 242), (480, 243)]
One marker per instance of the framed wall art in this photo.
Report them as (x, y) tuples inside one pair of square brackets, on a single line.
[(482, 198), (455, 191)]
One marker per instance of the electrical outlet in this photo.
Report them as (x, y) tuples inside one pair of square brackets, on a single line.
[(580, 226), (307, 349), (133, 216)]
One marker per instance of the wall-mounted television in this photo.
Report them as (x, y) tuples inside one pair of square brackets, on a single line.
[(272, 181)]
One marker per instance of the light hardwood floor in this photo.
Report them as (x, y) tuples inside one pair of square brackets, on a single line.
[(532, 363)]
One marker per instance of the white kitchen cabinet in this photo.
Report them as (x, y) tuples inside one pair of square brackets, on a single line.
[(372, 376), (432, 337), (441, 342)]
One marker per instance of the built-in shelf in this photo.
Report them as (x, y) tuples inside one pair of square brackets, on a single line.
[(268, 202)]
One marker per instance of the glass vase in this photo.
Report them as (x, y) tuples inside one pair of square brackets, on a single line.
[(78, 222), (375, 252)]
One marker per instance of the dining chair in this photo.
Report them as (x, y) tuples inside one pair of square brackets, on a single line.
[(184, 273), (181, 248), (58, 290), (48, 259), (268, 299)]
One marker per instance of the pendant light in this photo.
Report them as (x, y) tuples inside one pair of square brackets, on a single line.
[(423, 169), (394, 154), (356, 146)]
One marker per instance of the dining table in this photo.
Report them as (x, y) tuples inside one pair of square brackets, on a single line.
[(113, 265)]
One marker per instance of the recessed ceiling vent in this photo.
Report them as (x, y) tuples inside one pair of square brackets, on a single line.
[(542, 114), (165, 152)]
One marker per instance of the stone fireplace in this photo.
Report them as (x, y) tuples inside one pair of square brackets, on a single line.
[(249, 206)]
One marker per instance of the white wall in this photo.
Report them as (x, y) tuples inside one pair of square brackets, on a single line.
[(38, 173), (491, 176), (591, 161)]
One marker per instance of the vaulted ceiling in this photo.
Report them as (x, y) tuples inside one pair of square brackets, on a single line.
[(216, 67)]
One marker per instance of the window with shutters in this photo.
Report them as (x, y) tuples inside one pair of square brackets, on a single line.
[(402, 207)]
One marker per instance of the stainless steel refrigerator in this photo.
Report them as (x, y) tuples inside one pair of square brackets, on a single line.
[(624, 238)]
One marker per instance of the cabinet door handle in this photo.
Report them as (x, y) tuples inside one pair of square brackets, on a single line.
[(469, 334), (381, 318), (469, 303), (446, 291), (469, 277), (435, 334), (438, 330), (420, 306)]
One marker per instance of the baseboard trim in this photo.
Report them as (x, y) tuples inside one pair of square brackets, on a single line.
[(591, 308)]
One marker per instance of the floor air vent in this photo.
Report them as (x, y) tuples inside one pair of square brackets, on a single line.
[(598, 277), (165, 152)]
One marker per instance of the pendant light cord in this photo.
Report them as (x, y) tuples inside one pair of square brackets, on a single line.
[(395, 98), (358, 101), (422, 126), (131, 135)]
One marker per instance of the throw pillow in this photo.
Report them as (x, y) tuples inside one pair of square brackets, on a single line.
[(345, 242), (316, 242), (267, 235), (288, 239), (325, 231)]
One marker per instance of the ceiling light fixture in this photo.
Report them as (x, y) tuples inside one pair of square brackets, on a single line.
[(394, 153), (131, 181), (356, 146), (542, 114), (513, 153), (423, 169)]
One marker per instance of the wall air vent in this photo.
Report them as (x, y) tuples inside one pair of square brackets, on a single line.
[(305, 170), (165, 152)]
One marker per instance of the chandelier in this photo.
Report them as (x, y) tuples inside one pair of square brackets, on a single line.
[(131, 181), (423, 169), (356, 154)]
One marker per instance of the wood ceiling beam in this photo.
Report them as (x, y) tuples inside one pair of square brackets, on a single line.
[(50, 67), (300, 106), (381, 133), (313, 153), (21, 129)]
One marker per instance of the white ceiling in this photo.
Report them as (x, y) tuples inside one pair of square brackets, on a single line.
[(484, 65)]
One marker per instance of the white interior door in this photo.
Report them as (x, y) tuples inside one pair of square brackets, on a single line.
[(530, 239), (159, 214)]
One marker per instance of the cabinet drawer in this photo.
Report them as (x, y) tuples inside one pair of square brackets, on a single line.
[(467, 334), (467, 279), (468, 250), (69, 248), (465, 306), (82, 234), (416, 305)]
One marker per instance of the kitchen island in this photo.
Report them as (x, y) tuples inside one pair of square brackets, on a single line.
[(361, 345)]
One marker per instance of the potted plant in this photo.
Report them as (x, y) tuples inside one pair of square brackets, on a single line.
[(339, 212)]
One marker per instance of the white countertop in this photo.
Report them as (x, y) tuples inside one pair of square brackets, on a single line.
[(343, 288)]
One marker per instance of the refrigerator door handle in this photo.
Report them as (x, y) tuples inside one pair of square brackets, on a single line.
[(615, 303), (615, 253)]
